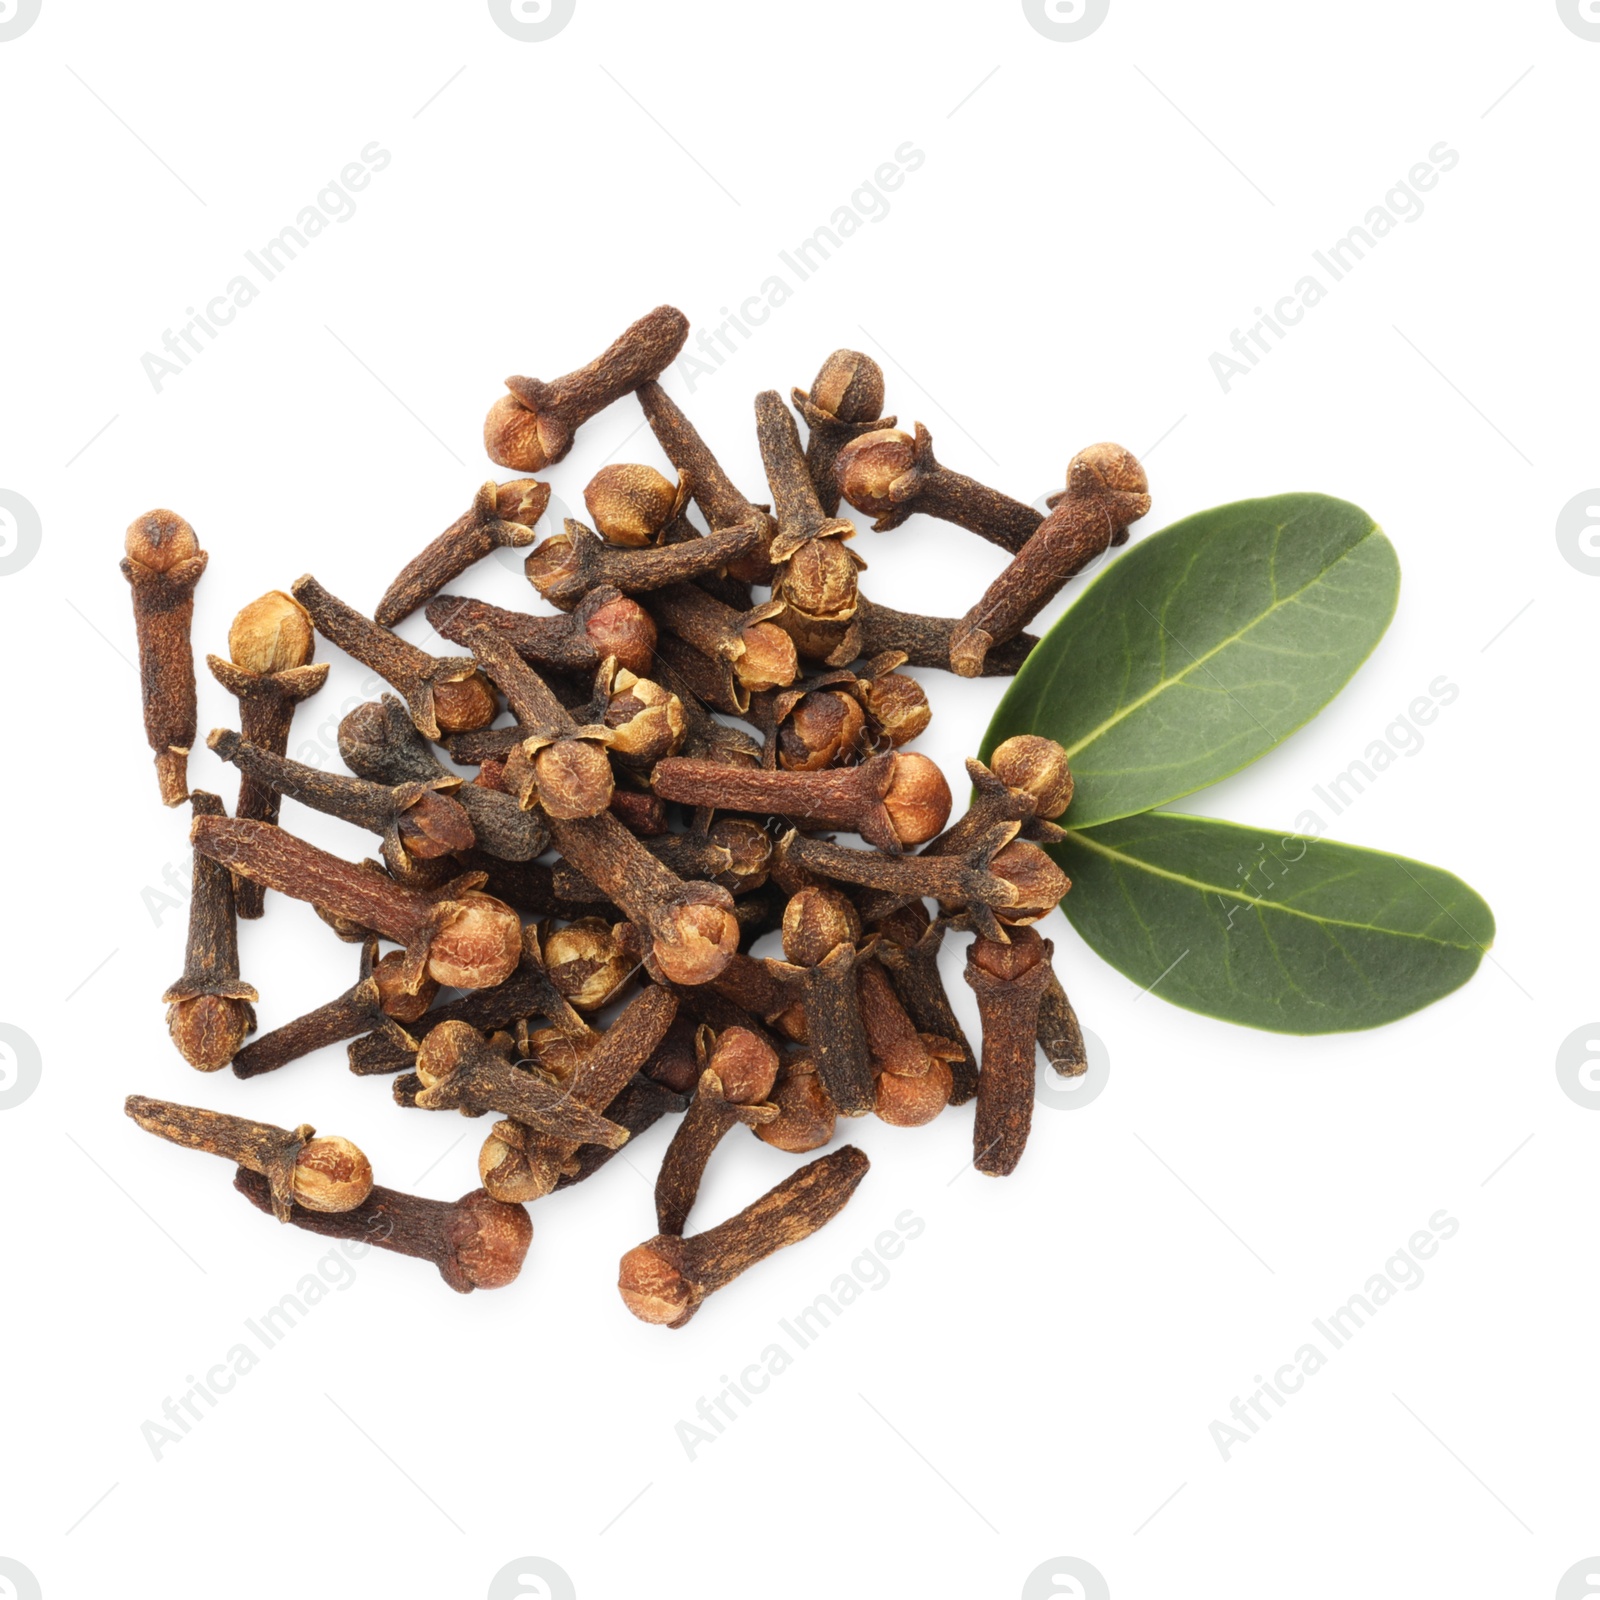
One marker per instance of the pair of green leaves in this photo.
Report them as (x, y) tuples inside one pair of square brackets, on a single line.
[(1193, 654)]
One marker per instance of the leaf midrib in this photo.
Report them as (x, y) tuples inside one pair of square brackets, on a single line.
[(1161, 686), (1258, 901)]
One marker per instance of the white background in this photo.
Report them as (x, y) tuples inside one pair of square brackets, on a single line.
[(1038, 1377)]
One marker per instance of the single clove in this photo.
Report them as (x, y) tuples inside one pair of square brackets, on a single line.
[(533, 426), (893, 801), (376, 1001), (1027, 782), (415, 820), (1009, 981), (475, 1242), (690, 928), (666, 1279), (570, 565), (606, 623), (908, 947), (634, 506), (843, 404), (926, 641), (1106, 492), (912, 1074), (889, 474), (720, 503), (209, 1010), (806, 1116), (444, 694), (501, 517), (738, 1069), (270, 673), (163, 563), (457, 936), (299, 1168), (760, 653)]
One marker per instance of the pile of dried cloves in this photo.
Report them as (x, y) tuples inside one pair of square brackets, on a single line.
[(680, 752)]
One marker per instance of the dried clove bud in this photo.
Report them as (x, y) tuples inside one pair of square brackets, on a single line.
[(825, 728), (1009, 981), (501, 517), (1106, 491), (720, 503), (913, 1073), (647, 721), (556, 763), (270, 642), (806, 1116), (842, 405), (892, 801), (300, 1169), (633, 506), (415, 820), (908, 948), (606, 623), (896, 705), (690, 928), (926, 641), (163, 563), (457, 936), (666, 1279), (376, 1000), (1060, 1037), (889, 474), (570, 565), (475, 1242), (738, 1069), (589, 960), (760, 654), (533, 426), (209, 1011), (445, 694)]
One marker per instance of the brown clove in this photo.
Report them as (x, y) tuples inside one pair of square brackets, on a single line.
[(843, 404), (606, 623), (1009, 981)]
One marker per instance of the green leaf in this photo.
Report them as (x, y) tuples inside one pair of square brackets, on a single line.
[(1203, 647), (1293, 934)]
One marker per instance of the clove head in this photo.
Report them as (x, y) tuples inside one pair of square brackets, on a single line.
[(331, 1175), (573, 778), (694, 939), (875, 472), (477, 944), (816, 922), (768, 660), (653, 1286), (918, 799), (630, 504), (434, 825), (1038, 767), (588, 961), (745, 1063), (160, 541), (272, 634), (488, 1239), (826, 729), (1038, 881), (622, 628), (209, 1028), (912, 1102), (390, 976), (648, 720), (806, 1116), (850, 386), (1109, 471), (465, 704), (513, 436)]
